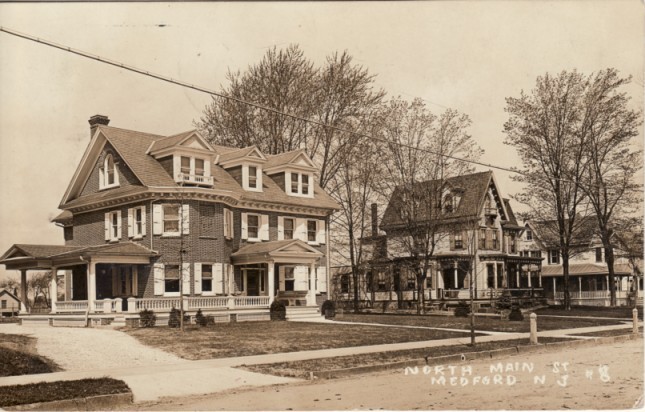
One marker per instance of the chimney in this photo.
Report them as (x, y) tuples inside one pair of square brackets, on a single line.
[(95, 121), (374, 219)]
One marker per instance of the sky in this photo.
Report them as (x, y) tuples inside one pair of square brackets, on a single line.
[(467, 55)]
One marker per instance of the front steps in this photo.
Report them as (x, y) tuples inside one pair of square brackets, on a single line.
[(303, 313)]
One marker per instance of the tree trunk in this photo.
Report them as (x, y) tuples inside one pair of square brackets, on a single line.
[(609, 259), (565, 273)]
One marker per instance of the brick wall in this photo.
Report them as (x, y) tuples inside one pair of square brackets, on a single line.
[(126, 177)]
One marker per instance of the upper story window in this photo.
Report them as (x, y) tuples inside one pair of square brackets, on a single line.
[(252, 178), (171, 219), (447, 204), (137, 222), (192, 170), (529, 235), (494, 238), (228, 223), (482, 238), (299, 184), (113, 226), (554, 256), (459, 241), (253, 226), (312, 230), (199, 167), (288, 227), (598, 254), (108, 176)]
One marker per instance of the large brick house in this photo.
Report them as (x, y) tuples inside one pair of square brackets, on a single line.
[(147, 218)]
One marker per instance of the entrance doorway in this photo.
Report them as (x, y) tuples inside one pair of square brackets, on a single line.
[(254, 282)]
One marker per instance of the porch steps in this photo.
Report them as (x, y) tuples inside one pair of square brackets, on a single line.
[(303, 313)]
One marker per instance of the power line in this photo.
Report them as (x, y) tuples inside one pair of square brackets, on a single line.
[(235, 99)]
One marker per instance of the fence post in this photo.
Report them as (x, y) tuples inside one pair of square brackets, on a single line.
[(533, 338), (635, 320), (118, 305), (132, 305)]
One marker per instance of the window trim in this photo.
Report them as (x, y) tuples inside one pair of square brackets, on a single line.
[(315, 232), (164, 232), (212, 291), (179, 280), (246, 177), (459, 237), (284, 228), (114, 216), (104, 173), (553, 261), (259, 226), (289, 183)]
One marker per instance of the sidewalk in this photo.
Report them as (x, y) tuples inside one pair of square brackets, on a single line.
[(214, 375)]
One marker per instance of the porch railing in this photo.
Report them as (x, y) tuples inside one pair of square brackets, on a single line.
[(592, 294), (208, 302), (251, 301), (156, 304), (71, 306)]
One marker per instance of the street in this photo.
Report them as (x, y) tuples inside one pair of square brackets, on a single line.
[(608, 376)]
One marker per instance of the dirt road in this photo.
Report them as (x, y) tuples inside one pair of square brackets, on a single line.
[(608, 376)]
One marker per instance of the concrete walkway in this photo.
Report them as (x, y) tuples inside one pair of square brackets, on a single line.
[(214, 375)]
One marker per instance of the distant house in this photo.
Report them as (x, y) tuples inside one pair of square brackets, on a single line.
[(477, 231), (588, 273), (9, 303), (149, 218)]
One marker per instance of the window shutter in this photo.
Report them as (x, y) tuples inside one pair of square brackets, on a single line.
[(281, 278), (143, 221), (185, 278), (245, 230), (452, 241), (159, 276), (227, 229), (320, 235), (157, 219), (301, 229), (280, 228), (218, 278), (264, 227), (130, 222), (107, 226), (197, 275), (185, 217), (118, 226), (321, 279), (227, 278), (300, 278)]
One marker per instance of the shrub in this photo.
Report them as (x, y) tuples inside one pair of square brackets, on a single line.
[(210, 320), (462, 310), (516, 314), (173, 320), (504, 302), (147, 318), (200, 319), (328, 309), (278, 310)]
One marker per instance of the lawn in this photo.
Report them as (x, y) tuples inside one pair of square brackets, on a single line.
[(18, 356), (621, 312), (483, 323), (301, 369), (244, 339), (612, 332), (54, 391)]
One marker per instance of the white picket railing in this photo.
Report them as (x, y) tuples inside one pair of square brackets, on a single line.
[(251, 301), (156, 304), (208, 302), (591, 294), (71, 306)]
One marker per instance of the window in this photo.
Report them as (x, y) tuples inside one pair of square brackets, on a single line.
[(199, 167), (108, 176), (344, 284), (294, 182), (482, 238), (411, 281), (447, 204), (253, 177), (536, 253), (171, 279), (288, 227), (305, 184), (171, 219), (554, 256), (289, 278), (113, 226), (598, 254), (512, 244), (228, 224), (312, 230), (459, 241), (207, 278), (185, 165), (253, 226), (299, 184), (137, 222), (381, 286), (529, 235), (494, 237), (4, 304)]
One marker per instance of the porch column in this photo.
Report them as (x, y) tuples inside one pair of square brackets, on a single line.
[(53, 289), (311, 292), (554, 287), (24, 303), (540, 277), (456, 276), (91, 285), (517, 278), (528, 273), (579, 283), (271, 281), (607, 283), (494, 275)]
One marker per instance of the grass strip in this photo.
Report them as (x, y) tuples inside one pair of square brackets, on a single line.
[(611, 332), (301, 369), (15, 362), (56, 391)]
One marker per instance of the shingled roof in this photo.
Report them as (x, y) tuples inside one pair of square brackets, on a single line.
[(473, 186), (547, 231)]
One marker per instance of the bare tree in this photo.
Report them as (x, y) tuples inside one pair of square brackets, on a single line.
[(338, 94), (609, 182), (417, 161), (547, 128), (39, 284)]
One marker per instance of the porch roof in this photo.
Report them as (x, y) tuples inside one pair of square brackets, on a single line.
[(22, 256), (280, 251), (586, 269)]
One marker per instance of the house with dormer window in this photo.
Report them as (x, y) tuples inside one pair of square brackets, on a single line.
[(476, 235), (151, 220)]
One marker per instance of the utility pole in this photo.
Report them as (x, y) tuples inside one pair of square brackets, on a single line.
[(473, 280), (181, 257)]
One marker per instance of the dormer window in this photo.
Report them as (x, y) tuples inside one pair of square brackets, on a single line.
[(192, 170), (108, 176), (199, 167), (252, 178), (299, 184), (448, 204)]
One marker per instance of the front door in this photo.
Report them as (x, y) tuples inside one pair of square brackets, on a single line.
[(252, 283)]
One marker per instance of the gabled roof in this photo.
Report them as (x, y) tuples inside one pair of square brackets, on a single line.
[(177, 140), (280, 250), (473, 188), (35, 251), (11, 295), (290, 159), (547, 232), (251, 152)]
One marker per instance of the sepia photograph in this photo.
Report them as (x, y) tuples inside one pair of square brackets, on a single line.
[(322, 205)]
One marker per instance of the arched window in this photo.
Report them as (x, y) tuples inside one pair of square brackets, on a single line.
[(108, 174)]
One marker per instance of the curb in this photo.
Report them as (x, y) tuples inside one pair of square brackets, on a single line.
[(99, 402), (468, 356)]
